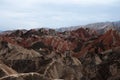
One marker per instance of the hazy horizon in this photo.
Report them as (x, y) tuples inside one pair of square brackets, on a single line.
[(28, 14)]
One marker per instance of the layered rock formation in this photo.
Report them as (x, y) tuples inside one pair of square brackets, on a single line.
[(46, 54)]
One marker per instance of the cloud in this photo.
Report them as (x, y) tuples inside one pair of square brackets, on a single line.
[(29, 3), (56, 13)]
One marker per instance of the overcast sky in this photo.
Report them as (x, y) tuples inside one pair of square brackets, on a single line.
[(27, 14)]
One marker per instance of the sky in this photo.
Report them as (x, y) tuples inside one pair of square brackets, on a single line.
[(28, 14)]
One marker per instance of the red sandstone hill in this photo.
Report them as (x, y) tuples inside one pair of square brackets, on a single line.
[(59, 42), (104, 42), (77, 40), (46, 54)]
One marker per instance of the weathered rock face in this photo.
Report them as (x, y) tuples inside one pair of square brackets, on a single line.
[(42, 54), (25, 76)]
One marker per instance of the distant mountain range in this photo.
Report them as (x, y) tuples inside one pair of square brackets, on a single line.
[(102, 26)]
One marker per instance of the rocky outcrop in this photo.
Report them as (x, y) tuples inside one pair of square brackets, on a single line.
[(45, 54)]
